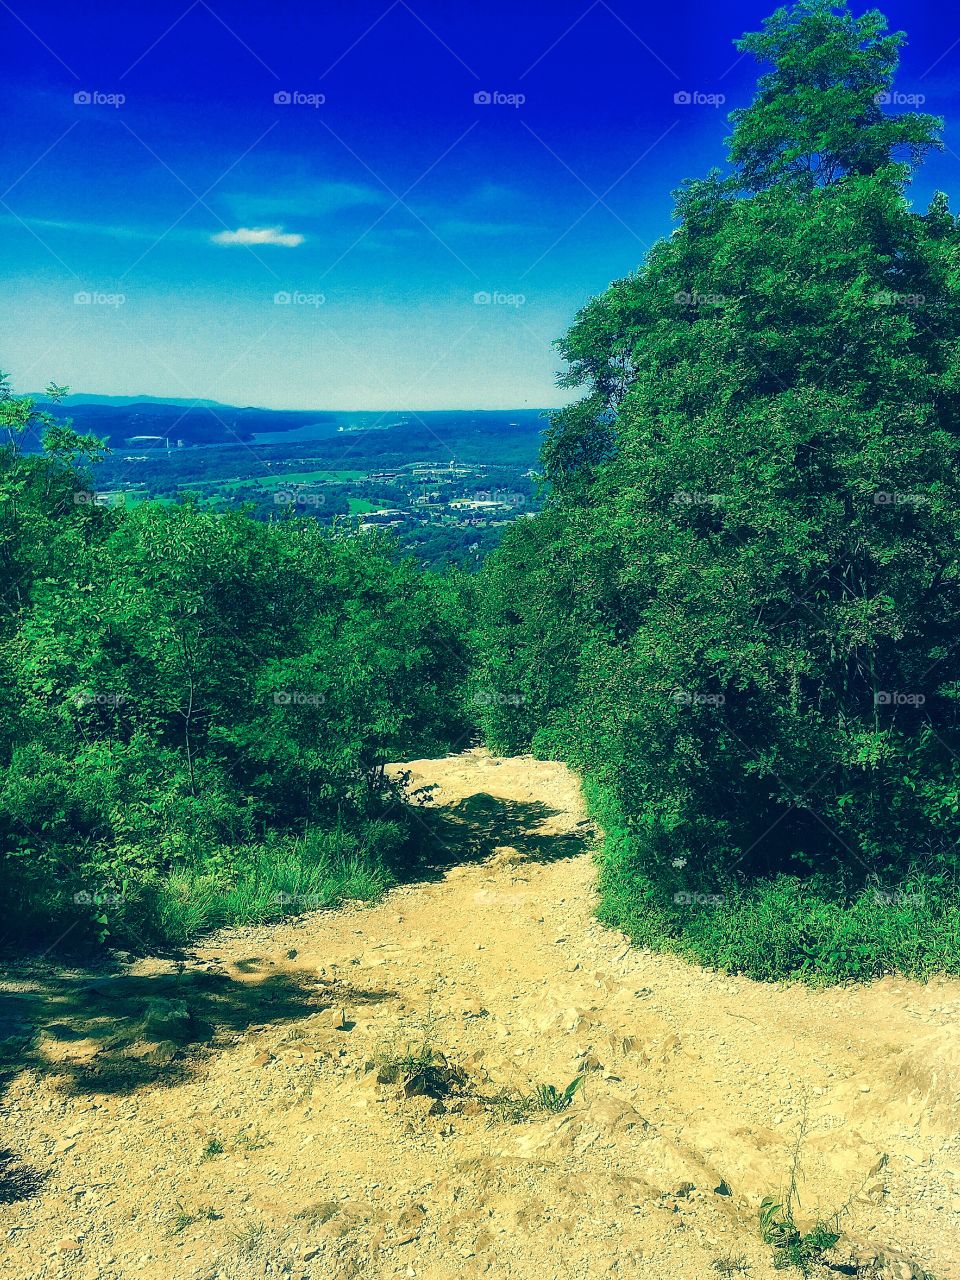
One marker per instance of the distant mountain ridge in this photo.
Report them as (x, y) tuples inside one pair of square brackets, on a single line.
[(120, 420), (81, 398)]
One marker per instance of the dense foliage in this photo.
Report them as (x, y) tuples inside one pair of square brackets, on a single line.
[(738, 614), (197, 707)]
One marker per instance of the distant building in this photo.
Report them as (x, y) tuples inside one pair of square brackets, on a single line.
[(157, 441)]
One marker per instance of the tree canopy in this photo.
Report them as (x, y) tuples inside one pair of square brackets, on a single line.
[(738, 613)]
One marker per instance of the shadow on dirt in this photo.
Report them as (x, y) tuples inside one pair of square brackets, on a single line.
[(17, 1181), (474, 827), (116, 1032), (106, 1030)]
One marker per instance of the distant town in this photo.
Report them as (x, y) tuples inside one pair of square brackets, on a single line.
[(446, 505)]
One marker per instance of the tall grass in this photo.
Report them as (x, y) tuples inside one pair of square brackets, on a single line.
[(242, 885), (784, 928)]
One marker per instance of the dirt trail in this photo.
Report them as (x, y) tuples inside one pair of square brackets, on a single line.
[(238, 1129)]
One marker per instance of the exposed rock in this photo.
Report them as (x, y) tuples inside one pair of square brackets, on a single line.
[(167, 1020)]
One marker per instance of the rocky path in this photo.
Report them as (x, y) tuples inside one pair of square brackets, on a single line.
[(229, 1116)]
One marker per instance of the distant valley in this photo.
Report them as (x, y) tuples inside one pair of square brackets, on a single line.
[(446, 482)]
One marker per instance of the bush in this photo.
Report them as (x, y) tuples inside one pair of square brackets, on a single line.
[(197, 708)]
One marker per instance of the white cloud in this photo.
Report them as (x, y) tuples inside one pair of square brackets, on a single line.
[(259, 235)]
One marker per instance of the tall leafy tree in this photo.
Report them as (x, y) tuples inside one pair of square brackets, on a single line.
[(758, 505)]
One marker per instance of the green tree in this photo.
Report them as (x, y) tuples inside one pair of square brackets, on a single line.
[(818, 115), (197, 707), (757, 511)]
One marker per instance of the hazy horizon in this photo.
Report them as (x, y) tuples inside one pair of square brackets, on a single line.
[(199, 401)]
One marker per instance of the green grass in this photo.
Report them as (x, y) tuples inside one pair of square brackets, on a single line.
[(275, 480), (788, 929), (360, 506), (785, 928), (286, 877)]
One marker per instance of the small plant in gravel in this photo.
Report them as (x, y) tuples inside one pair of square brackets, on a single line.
[(250, 1140), (180, 1221), (791, 1246), (249, 1238), (183, 1219), (418, 1066), (421, 1069), (544, 1100), (731, 1265), (549, 1098), (214, 1147)]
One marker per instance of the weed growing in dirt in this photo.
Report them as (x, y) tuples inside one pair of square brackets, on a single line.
[(180, 1221), (421, 1069), (731, 1265), (250, 1141), (546, 1099), (183, 1219), (550, 1098), (418, 1066), (791, 1246), (213, 1148), (249, 1238)]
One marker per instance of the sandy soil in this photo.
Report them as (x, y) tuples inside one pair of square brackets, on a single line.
[(220, 1115)]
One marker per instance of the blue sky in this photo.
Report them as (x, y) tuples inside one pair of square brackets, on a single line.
[(174, 165)]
